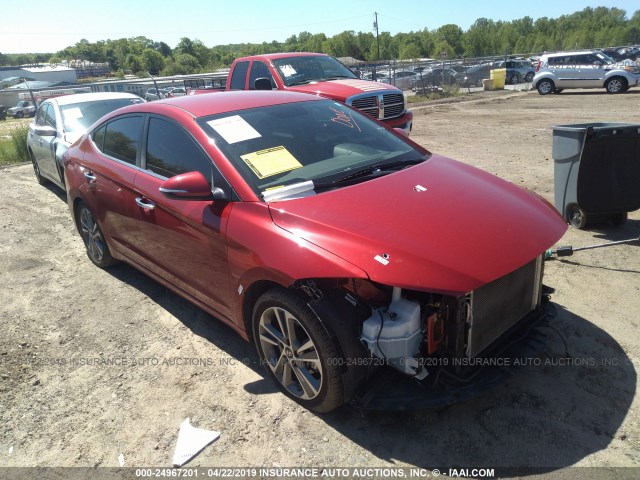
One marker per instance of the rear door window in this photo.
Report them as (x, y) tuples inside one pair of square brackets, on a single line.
[(121, 138), (239, 75)]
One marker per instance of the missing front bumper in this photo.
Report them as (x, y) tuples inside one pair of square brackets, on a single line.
[(521, 346)]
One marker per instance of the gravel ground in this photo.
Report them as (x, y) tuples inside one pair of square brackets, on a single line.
[(96, 364)]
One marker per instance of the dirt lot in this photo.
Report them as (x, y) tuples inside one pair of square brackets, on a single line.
[(61, 407)]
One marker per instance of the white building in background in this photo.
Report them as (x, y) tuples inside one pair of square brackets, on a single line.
[(49, 73)]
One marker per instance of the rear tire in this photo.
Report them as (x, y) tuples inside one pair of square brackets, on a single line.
[(545, 87), (97, 248)]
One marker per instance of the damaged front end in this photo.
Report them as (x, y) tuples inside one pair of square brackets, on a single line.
[(425, 350)]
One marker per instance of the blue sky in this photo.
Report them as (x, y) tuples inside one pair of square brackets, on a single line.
[(35, 26)]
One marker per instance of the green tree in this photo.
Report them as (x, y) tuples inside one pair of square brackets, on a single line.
[(182, 64), (452, 35), (152, 61), (409, 51)]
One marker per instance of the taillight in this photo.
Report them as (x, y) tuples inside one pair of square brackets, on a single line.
[(538, 66)]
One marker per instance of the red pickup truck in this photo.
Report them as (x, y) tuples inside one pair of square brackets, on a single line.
[(323, 75)]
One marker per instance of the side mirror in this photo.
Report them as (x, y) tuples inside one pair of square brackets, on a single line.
[(191, 186), (45, 131), (262, 83)]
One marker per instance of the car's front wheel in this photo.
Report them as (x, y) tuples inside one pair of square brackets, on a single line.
[(528, 77), (616, 85), (297, 350), (545, 86), (97, 248), (36, 169)]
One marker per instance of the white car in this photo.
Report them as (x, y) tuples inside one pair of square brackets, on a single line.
[(60, 121), (590, 69), (24, 108)]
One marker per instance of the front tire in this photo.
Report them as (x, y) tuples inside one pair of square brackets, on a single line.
[(297, 351), (529, 77), (97, 248), (545, 87), (36, 170), (616, 85)]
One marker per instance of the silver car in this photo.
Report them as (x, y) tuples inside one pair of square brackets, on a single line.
[(591, 69), (60, 121)]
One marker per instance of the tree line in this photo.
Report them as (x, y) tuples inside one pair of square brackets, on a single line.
[(589, 28)]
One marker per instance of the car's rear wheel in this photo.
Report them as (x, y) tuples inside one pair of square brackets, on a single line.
[(545, 86), (616, 85), (94, 241), (514, 79), (528, 77), (19, 114), (36, 169), (297, 351)]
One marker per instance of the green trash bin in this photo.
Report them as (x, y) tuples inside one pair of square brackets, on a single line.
[(596, 172)]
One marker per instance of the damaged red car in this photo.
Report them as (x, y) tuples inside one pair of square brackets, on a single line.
[(364, 268)]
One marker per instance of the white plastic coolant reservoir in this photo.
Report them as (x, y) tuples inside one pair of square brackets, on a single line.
[(401, 333)]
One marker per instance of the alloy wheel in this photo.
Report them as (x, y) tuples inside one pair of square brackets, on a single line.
[(91, 235), (290, 353)]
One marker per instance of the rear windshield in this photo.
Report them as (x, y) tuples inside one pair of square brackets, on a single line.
[(78, 117)]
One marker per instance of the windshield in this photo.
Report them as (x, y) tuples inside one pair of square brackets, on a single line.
[(606, 58), (322, 141), (307, 69), (78, 117)]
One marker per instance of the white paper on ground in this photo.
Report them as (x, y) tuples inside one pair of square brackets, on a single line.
[(191, 441)]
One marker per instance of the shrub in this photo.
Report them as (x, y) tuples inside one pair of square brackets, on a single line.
[(13, 147)]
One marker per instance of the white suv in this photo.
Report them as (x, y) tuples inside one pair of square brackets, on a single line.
[(592, 69)]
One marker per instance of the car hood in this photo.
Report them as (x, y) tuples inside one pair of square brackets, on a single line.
[(72, 137), (342, 89), (439, 226)]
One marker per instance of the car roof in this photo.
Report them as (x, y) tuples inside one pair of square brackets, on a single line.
[(275, 56), (577, 52), (91, 97), (221, 102)]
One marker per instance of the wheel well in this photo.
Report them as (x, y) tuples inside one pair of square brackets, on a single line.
[(251, 296), (76, 202), (619, 77)]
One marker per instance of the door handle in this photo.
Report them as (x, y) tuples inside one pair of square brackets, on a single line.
[(91, 178), (145, 204)]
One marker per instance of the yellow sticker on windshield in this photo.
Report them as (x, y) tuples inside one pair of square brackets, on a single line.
[(272, 161)]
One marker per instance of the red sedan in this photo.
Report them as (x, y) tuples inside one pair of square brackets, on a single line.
[(363, 267)]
